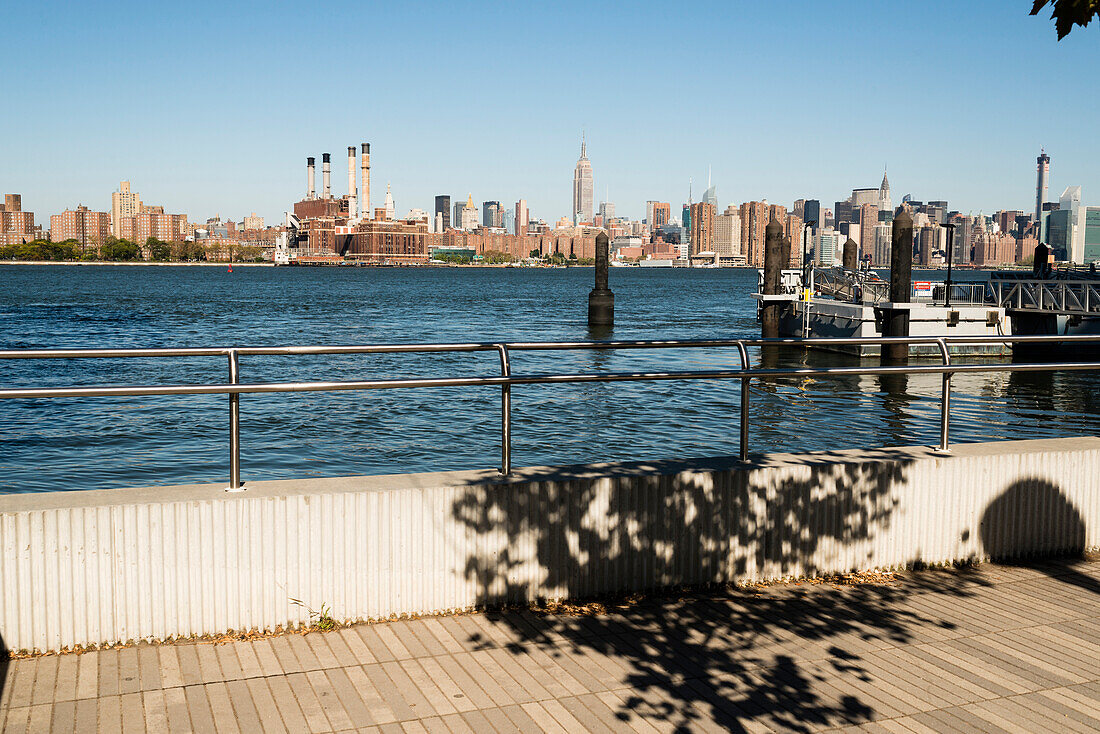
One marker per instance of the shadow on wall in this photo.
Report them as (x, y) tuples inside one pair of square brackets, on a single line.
[(1029, 519), (5, 663), (723, 655), (1032, 520)]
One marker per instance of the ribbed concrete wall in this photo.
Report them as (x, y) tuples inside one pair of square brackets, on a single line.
[(116, 565)]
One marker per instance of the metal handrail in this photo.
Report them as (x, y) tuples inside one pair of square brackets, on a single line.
[(234, 388)]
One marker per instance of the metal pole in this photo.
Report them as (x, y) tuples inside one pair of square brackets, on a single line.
[(744, 402), (945, 398), (505, 414), (234, 425), (950, 248)]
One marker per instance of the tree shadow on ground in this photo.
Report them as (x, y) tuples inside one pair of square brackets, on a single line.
[(1031, 522), (719, 653)]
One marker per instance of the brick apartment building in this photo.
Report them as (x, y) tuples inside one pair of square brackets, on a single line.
[(81, 224), (16, 225)]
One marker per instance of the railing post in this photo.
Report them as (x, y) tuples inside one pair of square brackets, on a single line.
[(234, 425), (945, 398), (505, 414), (744, 448)]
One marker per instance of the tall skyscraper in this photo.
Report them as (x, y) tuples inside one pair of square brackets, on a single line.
[(607, 211), (521, 217), (390, 207), (582, 188), (443, 206), (811, 212), (710, 196), (1043, 165), (884, 203), (124, 203), (490, 214), (469, 214), (868, 218)]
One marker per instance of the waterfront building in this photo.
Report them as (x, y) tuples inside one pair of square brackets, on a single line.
[(80, 224), (582, 188), (166, 227), (995, 249), (1042, 171), (253, 222), (754, 218), (702, 228), (727, 233), (16, 225), (443, 212), (124, 203)]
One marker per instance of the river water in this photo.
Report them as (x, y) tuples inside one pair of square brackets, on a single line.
[(62, 444)]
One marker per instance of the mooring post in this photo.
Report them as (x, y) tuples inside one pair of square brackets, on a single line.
[(851, 255), (601, 301), (901, 285), (1042, 258), (773, 278)]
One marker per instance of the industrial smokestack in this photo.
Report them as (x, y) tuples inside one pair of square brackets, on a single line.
[(365, 163), (326, 177), (353, 212), (311, 191)]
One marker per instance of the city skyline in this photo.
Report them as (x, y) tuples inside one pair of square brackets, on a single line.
[(189, 135)]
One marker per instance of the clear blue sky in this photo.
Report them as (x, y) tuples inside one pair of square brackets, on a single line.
[(212, 107)]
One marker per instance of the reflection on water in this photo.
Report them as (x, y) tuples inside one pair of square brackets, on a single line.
[(104, 442)]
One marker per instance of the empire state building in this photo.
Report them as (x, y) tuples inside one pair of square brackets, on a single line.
[(582, 189)]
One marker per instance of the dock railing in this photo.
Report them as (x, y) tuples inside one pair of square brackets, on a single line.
[(234, 388)]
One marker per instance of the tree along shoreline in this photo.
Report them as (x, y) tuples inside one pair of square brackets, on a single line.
[(201, 264), (114, 250)]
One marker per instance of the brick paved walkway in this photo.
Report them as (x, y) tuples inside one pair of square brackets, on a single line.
[(987, 649)]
